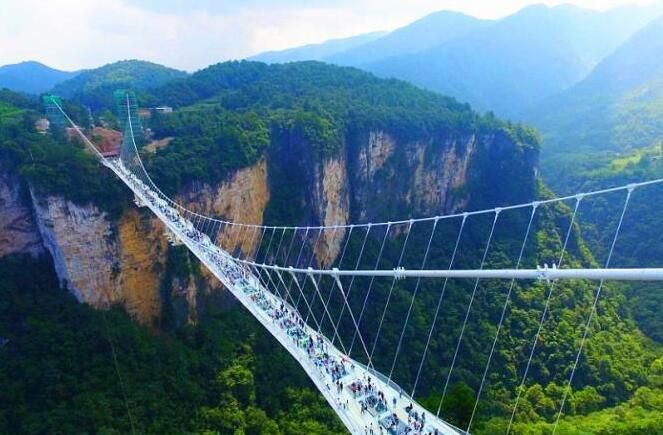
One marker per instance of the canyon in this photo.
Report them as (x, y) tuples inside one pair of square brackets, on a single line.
[(104, 260)]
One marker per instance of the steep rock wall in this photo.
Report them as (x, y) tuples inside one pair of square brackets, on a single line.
[(331, 196), (78, 241), (241, 198), (421, 177), (105, 261), (373, 176), (102, 262), (18, 229)]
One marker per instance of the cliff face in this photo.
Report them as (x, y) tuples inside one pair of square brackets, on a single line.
[(18, 229), (419, 176), (242, 198), (105, 261), (375, 176)]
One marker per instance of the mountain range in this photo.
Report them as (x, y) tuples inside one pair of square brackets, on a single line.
[(506, 65), (318, 51), (617, 107), (590, 81), (32, 77)]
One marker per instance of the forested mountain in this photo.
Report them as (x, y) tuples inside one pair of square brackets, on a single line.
[(317, 51), (519, 60), (428, 32), (606, 131), (31, 77), (507, 65), (617, 108), (94, 87)]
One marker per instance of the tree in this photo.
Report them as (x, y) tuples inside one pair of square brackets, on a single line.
[(238, 380), (458, 404)]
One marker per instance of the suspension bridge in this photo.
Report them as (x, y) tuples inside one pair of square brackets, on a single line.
[(283, 276)]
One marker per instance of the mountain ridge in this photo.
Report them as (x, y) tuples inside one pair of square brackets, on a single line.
[(316, 51), (506, 65), (424, 33), (617, 107), (32, 77), (94, 87)]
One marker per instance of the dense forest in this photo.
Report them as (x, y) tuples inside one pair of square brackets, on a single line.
[(51, 164), (67, 368), (225, 374), (234, 108), (94, 88), (641, 242)]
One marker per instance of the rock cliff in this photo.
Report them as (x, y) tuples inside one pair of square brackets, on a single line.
[(18, 229), (107, 260)]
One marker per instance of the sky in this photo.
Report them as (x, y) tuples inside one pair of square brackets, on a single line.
[(191, 34)]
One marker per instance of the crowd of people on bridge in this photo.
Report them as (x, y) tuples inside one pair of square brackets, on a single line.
[(372, 402)]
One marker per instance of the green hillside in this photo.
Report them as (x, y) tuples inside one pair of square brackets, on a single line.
[(614, 110), (322, 103), (94, 87)]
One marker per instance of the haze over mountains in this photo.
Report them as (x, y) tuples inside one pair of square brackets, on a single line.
[(505, 66), (509, 66), (319, 51), (590, 81), (609, 120), (32, 77), (617, 106)]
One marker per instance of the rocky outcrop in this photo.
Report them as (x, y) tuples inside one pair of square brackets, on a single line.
[(18, 230), (242, 198), (422, 177), (331, 196), (372, 157), (81, 242), (436, 182), (141, 255), (102, 262), (105, 261), (375, 177)]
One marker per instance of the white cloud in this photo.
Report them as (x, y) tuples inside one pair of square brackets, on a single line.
[(75, 34), (72, 34)]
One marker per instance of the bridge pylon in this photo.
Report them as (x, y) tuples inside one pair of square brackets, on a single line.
[(122, 98), (56, 119)]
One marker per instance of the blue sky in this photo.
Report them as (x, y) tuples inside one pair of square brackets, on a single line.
[(191, 34)]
